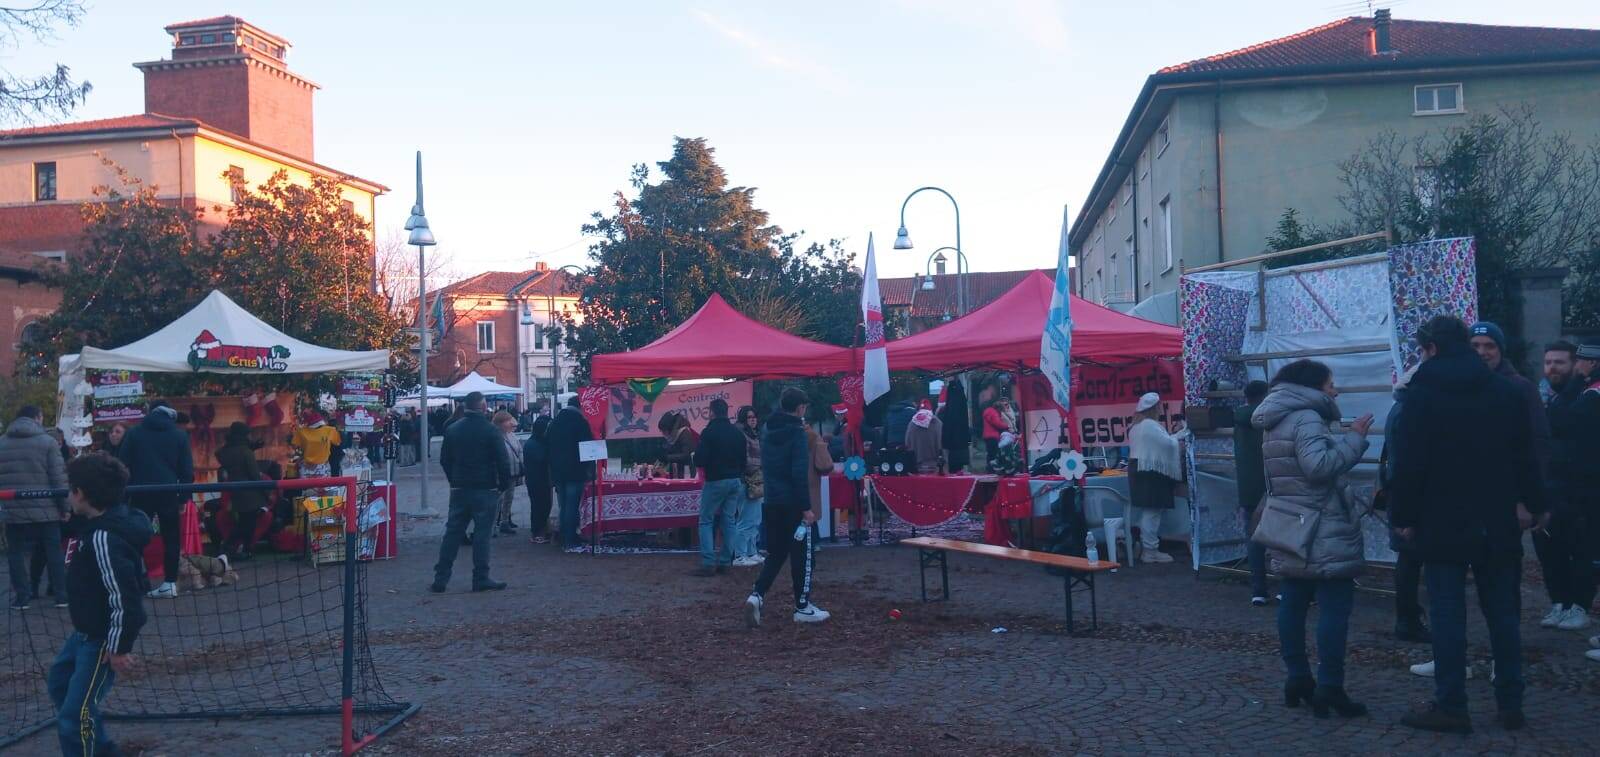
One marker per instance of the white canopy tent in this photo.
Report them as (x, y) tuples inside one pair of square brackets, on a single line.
[(476, 383), (216, 336)]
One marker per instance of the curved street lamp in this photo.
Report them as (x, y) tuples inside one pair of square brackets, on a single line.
[(422, 237), (527, 320), (936, 257), (902, 241)]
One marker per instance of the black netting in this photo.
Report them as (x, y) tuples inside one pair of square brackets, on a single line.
[(268, 641)]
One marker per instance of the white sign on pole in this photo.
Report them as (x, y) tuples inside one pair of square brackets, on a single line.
[(589, 452)]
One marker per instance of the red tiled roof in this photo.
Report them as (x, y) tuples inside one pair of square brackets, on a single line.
[(120, 123), (983, 287), (501, 282), (1349, 40)]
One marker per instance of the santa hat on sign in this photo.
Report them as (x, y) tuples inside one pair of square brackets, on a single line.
[(206, 341)]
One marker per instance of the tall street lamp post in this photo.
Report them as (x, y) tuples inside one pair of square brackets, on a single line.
[(902, 241), (422, 238)]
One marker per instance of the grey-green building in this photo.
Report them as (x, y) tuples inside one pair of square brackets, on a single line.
[(1215, 149)]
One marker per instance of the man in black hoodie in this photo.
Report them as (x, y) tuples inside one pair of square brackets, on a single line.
[(105, 583), (568, 474), (157, 452), (786, 512), (722, 453), (1460, 416), (478, 467)]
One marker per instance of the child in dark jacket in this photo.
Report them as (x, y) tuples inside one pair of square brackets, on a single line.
[(105, 589)]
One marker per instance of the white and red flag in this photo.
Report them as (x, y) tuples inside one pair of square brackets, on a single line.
[(875, 374)]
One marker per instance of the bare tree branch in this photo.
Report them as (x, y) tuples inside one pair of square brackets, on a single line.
[(54, 94)]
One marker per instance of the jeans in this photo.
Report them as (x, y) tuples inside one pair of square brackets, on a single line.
[(1257, 556), (539, 497), (749, 528), (780, 522), (718, 500), (475, 506), (1499, 579), (568, 495), (1407, 579), (21, 540), (1564, 558), (78, 681), (1334, 596), (508, 496)]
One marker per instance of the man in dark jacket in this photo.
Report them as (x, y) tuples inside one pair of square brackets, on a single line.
[(29, 460), (104, 586), (478, 467), (786, 512), (536, 476), (1465, 486), (721, 452), (157, 452), (1576, 427), (567, 473), (1408, 622), (1561, 538), (896, 421), (1252, 481), (236, 461)]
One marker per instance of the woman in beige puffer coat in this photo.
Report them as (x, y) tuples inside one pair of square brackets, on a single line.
[(1306, 458)]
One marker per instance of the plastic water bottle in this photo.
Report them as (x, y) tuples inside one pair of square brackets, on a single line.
[(1091, 550), (802, 531)]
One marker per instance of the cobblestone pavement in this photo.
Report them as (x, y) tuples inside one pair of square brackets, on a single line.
[(628, 654)]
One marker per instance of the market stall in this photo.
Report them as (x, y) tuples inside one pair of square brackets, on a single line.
[(216, 336)]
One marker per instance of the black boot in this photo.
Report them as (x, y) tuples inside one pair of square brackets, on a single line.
[(1414, 631), (1334, 697), (1431, 717), (1297, 690)]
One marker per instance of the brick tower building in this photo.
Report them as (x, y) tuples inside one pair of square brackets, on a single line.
[(224, 108)]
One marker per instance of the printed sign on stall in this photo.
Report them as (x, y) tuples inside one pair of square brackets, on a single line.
[(1104, 398), (118, 396), (631, 416), (360, 400)]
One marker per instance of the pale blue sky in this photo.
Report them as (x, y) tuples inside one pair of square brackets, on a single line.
[(530, 114)]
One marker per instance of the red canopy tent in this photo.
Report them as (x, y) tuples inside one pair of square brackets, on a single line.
[(720, 342), (1006, 333)]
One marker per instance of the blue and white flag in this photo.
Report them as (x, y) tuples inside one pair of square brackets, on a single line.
[(1055, 347)]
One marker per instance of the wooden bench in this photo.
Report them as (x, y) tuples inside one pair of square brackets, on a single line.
[(1078, 571)]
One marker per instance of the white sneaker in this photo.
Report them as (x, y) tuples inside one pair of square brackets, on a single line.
[(1155, 556), (1593, 654), (741, 562), (1594, 642), (1425, 669), (752, 610), (811, 613), (1576, 619), (1557, 613), (166, 590)]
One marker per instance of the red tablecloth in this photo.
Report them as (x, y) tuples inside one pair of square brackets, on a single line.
[(642, 506), (927, 501)]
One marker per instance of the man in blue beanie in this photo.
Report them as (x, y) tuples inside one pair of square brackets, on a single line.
[(1489, 341)]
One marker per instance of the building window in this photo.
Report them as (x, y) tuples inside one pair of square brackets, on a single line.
[(187, 39), (538, 337), (208, 39), (56, 256), (227, 36), (44, 181), (236, 188), (1165, 216), (1438, 99), (1162, 138), (485, 336)]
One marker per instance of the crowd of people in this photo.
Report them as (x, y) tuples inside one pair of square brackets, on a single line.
[(1474, 457)]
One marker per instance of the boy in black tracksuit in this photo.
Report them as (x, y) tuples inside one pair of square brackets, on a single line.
[(105, 588), (785, 469)]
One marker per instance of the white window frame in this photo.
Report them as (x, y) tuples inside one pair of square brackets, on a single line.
[(1461, 102), (1166, 232), (58, 256), (491, 334), (1116, 274), (1163, 136)]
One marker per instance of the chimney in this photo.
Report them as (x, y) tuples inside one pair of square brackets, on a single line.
[(938, 264), (1381, 44), (541, 266)]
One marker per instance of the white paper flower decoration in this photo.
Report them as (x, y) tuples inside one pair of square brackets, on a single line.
[(1072, 465)]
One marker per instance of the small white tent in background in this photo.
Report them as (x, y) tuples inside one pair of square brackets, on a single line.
[(476, 383)]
